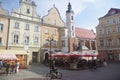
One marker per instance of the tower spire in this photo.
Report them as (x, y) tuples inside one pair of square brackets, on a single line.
[(69, 8)]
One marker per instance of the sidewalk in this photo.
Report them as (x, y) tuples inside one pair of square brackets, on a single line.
[(22, 75)]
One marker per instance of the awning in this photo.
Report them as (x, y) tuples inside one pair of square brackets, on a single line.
[(59, 54), (8, 57), (11, 54)]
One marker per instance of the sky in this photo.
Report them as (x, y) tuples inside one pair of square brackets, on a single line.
[(86, 12)]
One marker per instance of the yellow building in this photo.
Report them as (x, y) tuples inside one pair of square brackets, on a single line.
[(108, 35), (52, 27)]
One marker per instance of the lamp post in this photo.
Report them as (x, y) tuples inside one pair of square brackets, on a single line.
[(50, 40)]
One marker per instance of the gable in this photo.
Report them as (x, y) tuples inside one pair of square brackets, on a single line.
[(53, 18), (26, 11), (3, 11)]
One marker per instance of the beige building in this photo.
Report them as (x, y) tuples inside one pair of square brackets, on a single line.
[(108, 35), (3, 28), (25, 32), (52, 25)]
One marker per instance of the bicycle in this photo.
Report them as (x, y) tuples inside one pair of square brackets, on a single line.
[(54, 75)]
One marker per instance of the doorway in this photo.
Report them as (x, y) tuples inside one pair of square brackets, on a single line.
[(34, 57)]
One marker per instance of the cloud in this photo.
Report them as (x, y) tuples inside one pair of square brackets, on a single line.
[(77, 6)]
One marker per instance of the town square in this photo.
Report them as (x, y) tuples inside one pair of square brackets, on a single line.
[(59, 40)]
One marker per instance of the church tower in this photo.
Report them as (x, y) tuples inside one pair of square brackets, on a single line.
[(70, 22), (70, 29)]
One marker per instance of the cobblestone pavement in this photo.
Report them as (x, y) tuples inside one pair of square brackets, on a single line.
[(21, 75), (35, 72), (38, 72)]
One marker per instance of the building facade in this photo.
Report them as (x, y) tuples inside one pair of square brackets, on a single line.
[(25, 32), (52, 27), (32, 38), (4, 22), (108, 35)]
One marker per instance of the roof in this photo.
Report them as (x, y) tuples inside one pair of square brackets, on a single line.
[(109, 12), (84, 33)]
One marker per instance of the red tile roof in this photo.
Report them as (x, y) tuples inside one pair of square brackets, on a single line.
[(84, 33)]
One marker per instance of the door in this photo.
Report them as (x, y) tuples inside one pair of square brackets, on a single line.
[(34, 56)]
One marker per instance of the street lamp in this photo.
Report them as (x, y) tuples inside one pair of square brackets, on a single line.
[(50, 38)]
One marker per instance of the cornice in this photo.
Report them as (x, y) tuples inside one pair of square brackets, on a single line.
[(24, 20), (54, 26)]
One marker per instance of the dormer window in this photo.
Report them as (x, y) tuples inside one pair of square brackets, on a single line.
[(112, 12), (28, 11)]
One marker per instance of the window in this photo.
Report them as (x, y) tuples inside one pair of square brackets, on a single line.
[(119, 19), (1, 27), (100, 32), (17, 25), (16, 37), (114, 21), (63, 43), (47, 42), (71, 17), (118, 29), (101, 43), (36, 40), (27, 27), (47, 30), (118, 41), (55, 31), (54, 22), (109, 42), (54, 43), (109, 31), (26, 40), (108, 22), (28, 11), (36, 29), (0, 41)]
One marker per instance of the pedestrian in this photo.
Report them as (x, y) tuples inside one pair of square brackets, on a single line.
[(12, 67), (17, 67), (7, 67), (104, 63), (1, 64)]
